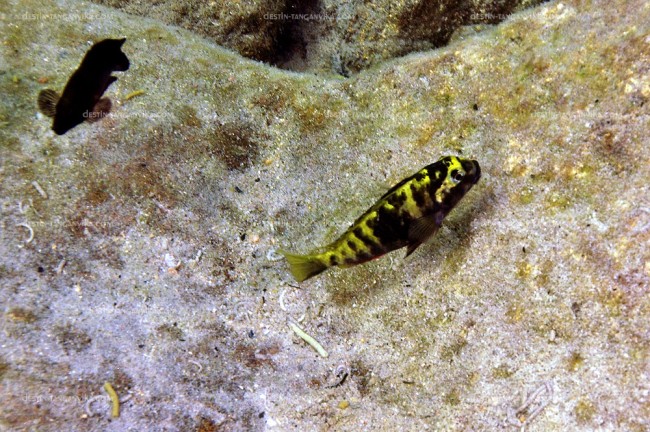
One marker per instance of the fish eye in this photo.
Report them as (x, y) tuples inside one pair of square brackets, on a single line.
[(457, 176)]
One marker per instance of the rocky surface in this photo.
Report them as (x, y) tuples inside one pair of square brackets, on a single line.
[(326, 37), (152, 264), (354, 36), (243, 26)]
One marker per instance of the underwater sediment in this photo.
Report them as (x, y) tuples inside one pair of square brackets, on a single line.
[(141, 250), (329, 36)]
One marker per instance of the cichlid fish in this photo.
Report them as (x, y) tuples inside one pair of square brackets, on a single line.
[(82, 96), (407, 215)]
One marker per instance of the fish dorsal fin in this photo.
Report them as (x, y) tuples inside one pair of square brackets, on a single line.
[(421, 230), (100, 110), (47, 100)]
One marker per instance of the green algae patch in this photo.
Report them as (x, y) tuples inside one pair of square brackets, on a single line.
[(237, 145), (21, 315), (187, 116), (452, 397), (502, 371), (575, 362), (584, 411)]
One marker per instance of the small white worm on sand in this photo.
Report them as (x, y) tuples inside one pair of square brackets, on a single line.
[(31, 231), (527, 401), (341, 374), (59, 268), (197, 364), (92, 400), (169, 262), (549, 391), (284, 308), (530, 399), (161, 206), (107, 401), (31, 205), (22, 209), (273, 255), (39, 189), (236, 310), (281, 300), (310, 340)]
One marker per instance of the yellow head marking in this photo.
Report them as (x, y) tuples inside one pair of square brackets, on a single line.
[(455, 173)]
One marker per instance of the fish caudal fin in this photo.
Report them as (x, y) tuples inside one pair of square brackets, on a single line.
[(304, 266), (47, 100)]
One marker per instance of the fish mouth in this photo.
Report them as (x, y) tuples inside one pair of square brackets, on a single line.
[(477, 171)]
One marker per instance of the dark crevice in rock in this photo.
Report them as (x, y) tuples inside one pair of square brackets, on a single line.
[(294, 36), (326, 36)]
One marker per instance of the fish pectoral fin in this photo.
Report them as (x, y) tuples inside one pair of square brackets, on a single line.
[(100, 110), (420, 231), (47, 100)]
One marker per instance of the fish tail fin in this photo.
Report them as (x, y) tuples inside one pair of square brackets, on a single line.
[(47, 100), (304, 266)]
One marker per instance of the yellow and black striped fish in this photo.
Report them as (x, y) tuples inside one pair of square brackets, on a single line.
[(407, 215)]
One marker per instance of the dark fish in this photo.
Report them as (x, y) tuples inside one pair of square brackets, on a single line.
[(82, 96), (407, 215)]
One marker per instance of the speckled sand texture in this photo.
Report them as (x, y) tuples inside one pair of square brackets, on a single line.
[(153, 260)]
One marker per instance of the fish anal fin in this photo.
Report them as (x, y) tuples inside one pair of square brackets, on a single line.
[(411, 248), (47, 100), (100, 110), (421, 230)]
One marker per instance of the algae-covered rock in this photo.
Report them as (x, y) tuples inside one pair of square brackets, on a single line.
[(328, 36), (353, 36), (243, 26), (141, 250)]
